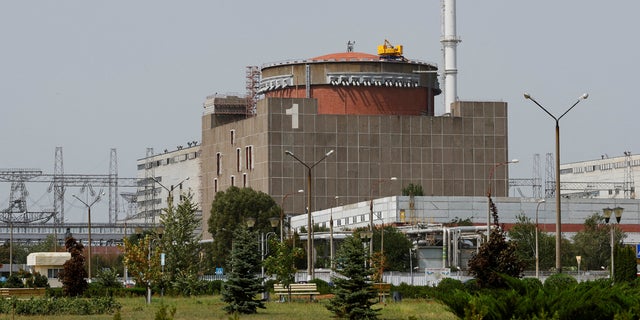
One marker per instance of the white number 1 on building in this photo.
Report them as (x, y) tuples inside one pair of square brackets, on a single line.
[(293, 111)]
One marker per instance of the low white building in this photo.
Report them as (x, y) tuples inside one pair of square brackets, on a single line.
[(48, 264), (607, 177)]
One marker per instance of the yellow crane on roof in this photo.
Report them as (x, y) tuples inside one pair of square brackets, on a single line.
[(387, 51)]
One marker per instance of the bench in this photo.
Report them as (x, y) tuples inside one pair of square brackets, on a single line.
[(22, 292), (296, 289), (383, 289)]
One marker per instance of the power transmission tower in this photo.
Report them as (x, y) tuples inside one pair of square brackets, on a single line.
[(550, 178), (629, 186), (537, 177), (58, 187), (113, 186)]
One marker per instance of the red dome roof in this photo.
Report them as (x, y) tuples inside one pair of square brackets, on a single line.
[(341, 56)]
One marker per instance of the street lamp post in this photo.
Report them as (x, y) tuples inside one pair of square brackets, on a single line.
[(309, 210), (541, 201), (264, 245), (333, 265), (607, 216), (170, 190), (558, 213), (282, 212), (159, 232), (371, 221), (491, 171), (89, 205)]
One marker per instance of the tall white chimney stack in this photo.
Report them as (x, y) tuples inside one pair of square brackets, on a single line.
[(449, 42)]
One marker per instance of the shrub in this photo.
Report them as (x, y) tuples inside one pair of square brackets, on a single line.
[(415, 292), (559, 281), (450, 284), (323, 286), (71, 306), (108, 278), (165, 312), (14, 281), (187, 285)]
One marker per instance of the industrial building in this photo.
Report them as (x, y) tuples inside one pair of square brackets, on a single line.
[(165, 177), (606, 178), (374, 112)]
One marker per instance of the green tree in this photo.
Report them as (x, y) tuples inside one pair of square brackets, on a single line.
[(44, 246), (180, 239), (243, 285), (413, 190), (228, 212), (73, 273), (523, 234), (396, 248), (136, 258), (593, 243), (625, 264), (281, 263), (495, 258), (354, 293)]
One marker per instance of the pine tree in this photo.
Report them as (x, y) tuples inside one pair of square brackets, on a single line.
[(243, 285), (354, 293)]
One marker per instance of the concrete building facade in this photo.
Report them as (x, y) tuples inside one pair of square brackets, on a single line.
[(450, 155), (177, 171), (607, 177)]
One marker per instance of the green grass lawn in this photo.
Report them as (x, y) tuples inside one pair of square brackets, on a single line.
[(208, 307)]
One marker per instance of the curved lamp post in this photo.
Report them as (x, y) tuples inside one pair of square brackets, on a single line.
[(331, 250), (371, 222), (558, 214), (282, 212), (490, 178), (89, 205), (264, 244), (170, 190), (309, 210)]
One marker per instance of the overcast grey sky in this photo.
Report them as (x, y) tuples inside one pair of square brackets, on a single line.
[(90, 76)]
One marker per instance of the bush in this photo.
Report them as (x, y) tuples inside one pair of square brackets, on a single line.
[(323, 286), (187, 285), (559, 281), (108, 278), (450, 284), (14, 281), (214, 287), (415, 292), (71, 306)]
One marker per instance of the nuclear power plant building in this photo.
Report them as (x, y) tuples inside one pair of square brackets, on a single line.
[(376, 114)]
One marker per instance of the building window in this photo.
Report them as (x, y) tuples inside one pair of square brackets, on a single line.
[(244, 180), (233, 136), (215, 185), (218, 163), (52, 273), (233, 181), (248, 154), (238, 162)]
